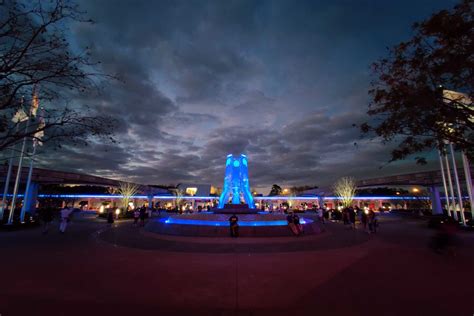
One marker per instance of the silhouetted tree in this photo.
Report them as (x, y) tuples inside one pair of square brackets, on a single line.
[(275, 190), (407, 101), (38, 66)]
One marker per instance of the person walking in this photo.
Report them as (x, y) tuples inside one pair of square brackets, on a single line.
[(110, 217), (47, 218), (445, 239), (136, 216), (352, 217), (363, 219), (372, 221), (142, 216), (234, 226), (345, 217), (65, 218), (320, 215)]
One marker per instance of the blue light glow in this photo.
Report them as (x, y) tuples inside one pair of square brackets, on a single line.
[(211, 198), (183, 221), (236, 182)]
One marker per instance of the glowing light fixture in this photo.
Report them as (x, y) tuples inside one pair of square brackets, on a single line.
[(191, 191)]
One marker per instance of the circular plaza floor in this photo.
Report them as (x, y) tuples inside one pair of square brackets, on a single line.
[(127, 236)]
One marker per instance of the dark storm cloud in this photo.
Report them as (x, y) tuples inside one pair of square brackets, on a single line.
[(281, 81)]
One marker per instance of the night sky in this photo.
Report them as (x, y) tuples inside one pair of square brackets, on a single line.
[(282, 81)]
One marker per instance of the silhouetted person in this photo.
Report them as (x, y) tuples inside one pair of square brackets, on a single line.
[(110, 217), (298, 226), (65, 214), (47, 218), (234, 226), (363, 219), (136, 216), (352, 217), (345, 216), (320, 213), (445, 237), (142, 216), (291, 224), (372, 218)]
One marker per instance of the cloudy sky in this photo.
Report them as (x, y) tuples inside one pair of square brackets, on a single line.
[(282, 81)]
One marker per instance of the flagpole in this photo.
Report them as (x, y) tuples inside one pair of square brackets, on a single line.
[(7, 184), (443, 177), (458, 186), (7, 181), (18, 176), (467, 173), (28, 182), (450, 183), (9, 173)]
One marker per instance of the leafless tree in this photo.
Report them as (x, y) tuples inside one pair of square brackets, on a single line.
[(127, 190), (37, 65), (345, 189), (178, 197)]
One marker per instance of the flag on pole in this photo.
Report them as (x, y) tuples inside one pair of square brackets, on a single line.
[(34, 102), (20, 116), (454, 96), (39, 132), (450, 96)]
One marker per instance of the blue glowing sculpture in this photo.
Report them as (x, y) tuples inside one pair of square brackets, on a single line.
[(236, 181)]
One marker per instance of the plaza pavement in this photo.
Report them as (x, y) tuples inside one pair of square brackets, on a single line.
[(94, 270)]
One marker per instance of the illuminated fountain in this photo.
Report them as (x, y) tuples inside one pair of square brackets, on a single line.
[(236, 182), (252, 223)]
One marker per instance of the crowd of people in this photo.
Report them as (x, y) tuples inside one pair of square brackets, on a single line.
[(47, 216), (367, 218), (65, 214)]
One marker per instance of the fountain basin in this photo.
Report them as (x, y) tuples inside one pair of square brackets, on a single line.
[(217, 225)]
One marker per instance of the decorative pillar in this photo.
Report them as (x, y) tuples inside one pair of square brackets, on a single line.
[(29, 200), (321, 201), (150, 201), (436, 206)]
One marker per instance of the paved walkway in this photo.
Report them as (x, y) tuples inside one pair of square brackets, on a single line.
[(124, 271)]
